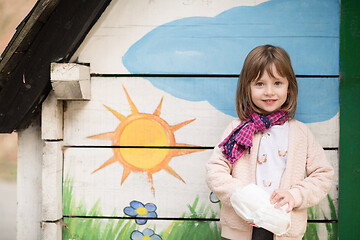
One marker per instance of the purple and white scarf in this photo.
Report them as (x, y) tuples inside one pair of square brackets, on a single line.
[(240, 139)]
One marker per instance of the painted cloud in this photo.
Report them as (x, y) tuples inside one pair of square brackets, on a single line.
[(307, 29)]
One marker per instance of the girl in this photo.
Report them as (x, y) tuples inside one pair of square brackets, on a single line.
[(268, 147)]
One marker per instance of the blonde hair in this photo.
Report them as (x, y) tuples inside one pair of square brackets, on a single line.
[(259, 60)]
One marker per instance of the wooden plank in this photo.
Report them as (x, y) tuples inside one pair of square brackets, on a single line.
[(172, 188), (52, 184), (52, 118), (110, 189), (30, 83), (350, 113), (201, 42), (89, 228), (29, 182), (208, 100), (51, 231)]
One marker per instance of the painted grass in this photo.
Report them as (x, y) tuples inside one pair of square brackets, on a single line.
[(89, 228), (332, 228), (312, 228), (193, 227)]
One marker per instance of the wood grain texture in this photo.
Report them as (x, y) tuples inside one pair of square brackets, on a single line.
[(167, 38), (172, 196), (168, 229), (52, 118), (52, 179), (98, 116)]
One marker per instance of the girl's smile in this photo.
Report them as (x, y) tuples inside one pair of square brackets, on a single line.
[(269, 93)]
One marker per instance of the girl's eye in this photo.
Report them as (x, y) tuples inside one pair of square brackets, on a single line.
[(259, 84), (277, 83)]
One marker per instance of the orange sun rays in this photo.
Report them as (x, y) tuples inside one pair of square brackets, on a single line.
[(148, 143)]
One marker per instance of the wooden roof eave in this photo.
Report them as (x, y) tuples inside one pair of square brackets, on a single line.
[(51, 32)]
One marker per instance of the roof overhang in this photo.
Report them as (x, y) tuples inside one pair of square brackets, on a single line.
[(51, 32)]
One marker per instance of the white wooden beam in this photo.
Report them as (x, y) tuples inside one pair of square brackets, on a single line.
[(29, 182), (70, 81), (52, 184), (52, 118), (51, 231)]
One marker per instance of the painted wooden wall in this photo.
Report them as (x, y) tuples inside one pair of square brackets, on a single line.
[(163, 77)]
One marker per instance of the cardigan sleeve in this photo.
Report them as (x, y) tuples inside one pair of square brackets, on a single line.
[(319, 176), (218, 172)]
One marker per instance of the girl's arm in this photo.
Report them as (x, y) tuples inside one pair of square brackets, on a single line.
[(218, 173), (319, 172)]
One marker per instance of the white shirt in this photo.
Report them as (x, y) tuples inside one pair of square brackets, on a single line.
[(271, 161)]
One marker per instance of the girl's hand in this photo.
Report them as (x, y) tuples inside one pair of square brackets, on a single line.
[(282, 197)]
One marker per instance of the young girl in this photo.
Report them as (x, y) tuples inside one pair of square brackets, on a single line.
[(266, 146)]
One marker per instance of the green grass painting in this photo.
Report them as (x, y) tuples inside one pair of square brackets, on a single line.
[(79, 227), (197, 223), (315, 213)]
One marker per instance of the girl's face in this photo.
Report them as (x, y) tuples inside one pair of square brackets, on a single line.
[(269, 94)]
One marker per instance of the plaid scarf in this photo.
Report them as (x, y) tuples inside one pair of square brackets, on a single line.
[(240, 139)]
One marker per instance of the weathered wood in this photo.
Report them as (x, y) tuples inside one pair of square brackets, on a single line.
[(169, 229), (168, 39), (171, 195), (52, 118), (124, 229), (52, 184), (30, 83), (70, 81), (29, 182), (170, 189), (85, 119), (26, 32), (51, 231)]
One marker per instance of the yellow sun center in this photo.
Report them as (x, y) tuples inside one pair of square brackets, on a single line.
[(146, 238), (142, 130), (142, 211)]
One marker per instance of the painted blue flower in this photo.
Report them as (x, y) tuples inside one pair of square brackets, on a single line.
[(147, 234), (139, 210)]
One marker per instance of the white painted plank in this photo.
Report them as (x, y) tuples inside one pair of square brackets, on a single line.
[(174, 229), (90, 228), (29, 182), (51, 231), (106, 46), (170, 195), (52, 186), (52, 118), (104, 39), (85, 119)]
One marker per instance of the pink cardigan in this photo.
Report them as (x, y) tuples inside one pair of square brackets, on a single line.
[(305, 156)]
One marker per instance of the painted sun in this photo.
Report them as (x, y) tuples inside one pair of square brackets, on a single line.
[(147, 143)]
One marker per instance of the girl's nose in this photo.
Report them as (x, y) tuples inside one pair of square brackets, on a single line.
[(269, 90)]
